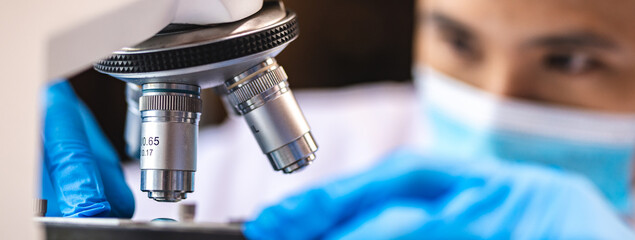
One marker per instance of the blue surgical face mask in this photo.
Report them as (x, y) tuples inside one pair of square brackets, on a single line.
[(467, 122)]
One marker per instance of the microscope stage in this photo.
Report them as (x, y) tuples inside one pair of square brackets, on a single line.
[(123, 229)]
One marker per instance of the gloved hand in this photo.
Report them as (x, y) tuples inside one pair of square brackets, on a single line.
[(415, 197), (81, 173)]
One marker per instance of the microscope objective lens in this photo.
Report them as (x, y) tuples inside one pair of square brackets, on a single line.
[(262, 95), (169, 138)]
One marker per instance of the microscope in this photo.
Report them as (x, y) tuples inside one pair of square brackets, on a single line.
[(235, 55), (165, 75)]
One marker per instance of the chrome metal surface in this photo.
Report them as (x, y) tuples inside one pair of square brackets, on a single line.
[(262, 95), (169, 138), (295, 155), (132, 130), (167, 185)]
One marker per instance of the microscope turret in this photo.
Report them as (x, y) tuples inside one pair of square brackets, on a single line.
[(237, 59)]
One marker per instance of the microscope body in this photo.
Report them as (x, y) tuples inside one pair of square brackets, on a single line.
[(166, 73)]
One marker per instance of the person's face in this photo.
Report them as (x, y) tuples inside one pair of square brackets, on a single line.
[(578, 53)]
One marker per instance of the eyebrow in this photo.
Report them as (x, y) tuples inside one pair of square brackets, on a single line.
[(574, 39), (570, 39), (448, 23)]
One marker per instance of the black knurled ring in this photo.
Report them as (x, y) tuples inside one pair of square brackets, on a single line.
[(202, 54)]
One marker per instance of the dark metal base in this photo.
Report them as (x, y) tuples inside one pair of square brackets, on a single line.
[(107, 229)]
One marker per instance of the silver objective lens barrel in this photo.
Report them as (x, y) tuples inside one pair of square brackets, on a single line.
[(169, 137), (132, 131), (262, 95)]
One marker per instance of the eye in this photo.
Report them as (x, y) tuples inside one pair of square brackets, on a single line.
[(459, 42), (571, 62)]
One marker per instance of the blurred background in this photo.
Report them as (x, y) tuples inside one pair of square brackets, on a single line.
[(341, 43)]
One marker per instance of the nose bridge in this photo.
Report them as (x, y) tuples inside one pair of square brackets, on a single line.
[(503, 77)]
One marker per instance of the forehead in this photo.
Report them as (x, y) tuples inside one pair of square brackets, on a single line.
[(526, 18)]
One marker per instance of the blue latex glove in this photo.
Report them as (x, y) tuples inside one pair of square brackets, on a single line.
[(413, 197), (81, 173)]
